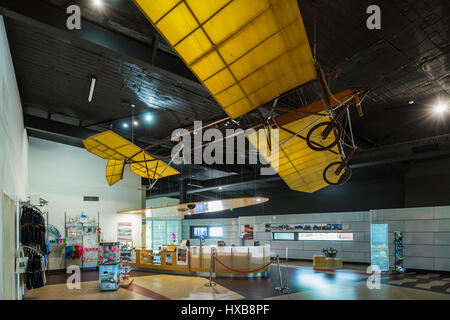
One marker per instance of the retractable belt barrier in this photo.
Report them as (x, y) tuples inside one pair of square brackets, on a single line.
[(244, 271)]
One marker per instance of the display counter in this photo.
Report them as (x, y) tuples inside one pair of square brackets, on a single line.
[(235, 261), (322, 262)]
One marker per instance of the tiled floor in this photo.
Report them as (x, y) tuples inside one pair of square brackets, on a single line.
[(302, 280)]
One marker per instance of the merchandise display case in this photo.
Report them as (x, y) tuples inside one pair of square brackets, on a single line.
[(197, 259), (126, 257), (109, 269), (109, 277), (398, 252), (109, 253)]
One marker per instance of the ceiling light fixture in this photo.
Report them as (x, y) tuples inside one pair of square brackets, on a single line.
[(411, 102), (220, 188), (125, 125), (148, 117), (91, 90), (135, 123), (441, 108)]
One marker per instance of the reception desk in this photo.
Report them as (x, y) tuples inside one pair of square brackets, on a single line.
[(197, 260)]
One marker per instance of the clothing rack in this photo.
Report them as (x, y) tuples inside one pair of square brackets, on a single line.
[(25, 207), (33, 241), (33, 249)]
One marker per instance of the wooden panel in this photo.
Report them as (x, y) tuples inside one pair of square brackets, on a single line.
[(198, 207)]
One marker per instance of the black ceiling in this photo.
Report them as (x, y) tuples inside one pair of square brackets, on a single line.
[(407, 60)]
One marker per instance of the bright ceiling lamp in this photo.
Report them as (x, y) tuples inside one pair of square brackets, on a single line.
[(440, 108), (135, 123), (97, 3), (148, 117), (125, 125)]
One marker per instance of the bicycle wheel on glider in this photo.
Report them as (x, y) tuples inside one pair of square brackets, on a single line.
[(315, 140), (330, 176)]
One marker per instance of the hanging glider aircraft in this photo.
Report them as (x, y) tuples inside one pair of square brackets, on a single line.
[(248, 54), (300, 164), (120, 152)]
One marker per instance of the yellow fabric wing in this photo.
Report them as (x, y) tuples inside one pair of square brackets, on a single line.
[(245, 52), (298, 165), (114, 171), (147, 166), (111, 146)]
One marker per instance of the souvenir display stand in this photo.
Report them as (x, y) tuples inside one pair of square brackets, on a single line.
[(398, 252), (81, 234), (109, 269), (126, 257)]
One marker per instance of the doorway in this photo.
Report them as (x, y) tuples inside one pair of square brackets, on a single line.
[(8, 248)]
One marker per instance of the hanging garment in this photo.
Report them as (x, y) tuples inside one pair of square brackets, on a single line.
[(69, 252), (32, 228), (35, 274), (35, 244)]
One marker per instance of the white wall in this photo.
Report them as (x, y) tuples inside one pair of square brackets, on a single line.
[(63, 174), (13, 141)]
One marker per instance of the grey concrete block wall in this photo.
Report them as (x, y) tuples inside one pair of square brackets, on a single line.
[(426, 235), (354, 251)]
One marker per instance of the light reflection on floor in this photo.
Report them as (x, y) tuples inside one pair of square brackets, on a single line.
[(305, 283)]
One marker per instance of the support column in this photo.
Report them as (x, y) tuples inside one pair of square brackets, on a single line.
[(183, 191), (143, 222)]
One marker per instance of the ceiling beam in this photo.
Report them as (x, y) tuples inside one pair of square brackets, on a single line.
[(56, 127), (58, 131), (42, 15), (428, 148), (213, 184)]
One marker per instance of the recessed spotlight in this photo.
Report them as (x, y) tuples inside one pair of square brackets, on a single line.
[(149, 117), (441, 108), (97, 3), (411, 102), (135, 123), (220, 188), (125, 125)]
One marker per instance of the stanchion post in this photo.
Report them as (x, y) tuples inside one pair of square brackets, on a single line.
[(281, 288), (211, 283)]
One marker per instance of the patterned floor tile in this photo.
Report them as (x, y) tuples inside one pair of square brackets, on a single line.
[(431, 284), (402, 281), (427, 276)]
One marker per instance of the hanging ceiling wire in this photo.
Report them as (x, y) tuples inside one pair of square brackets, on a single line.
[(315, 38)]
